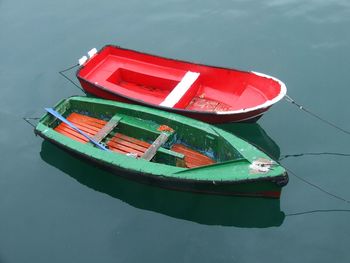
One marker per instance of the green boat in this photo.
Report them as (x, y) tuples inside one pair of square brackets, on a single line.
[(161, 148)]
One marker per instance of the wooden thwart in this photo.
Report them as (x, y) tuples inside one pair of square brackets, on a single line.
[(152, 150), (180, 90), (110, 125)]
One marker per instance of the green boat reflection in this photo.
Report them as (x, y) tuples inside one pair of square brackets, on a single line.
[(254, 134)]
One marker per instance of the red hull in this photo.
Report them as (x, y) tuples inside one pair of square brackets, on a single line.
[(215, 95)]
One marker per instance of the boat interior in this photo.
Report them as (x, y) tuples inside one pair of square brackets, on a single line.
[(160, 142), (176, 84)]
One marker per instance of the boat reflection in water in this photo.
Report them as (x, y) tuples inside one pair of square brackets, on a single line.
[(254, 134), (200, 208)]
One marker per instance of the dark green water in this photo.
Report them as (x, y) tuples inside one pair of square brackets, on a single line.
[(55, 208)]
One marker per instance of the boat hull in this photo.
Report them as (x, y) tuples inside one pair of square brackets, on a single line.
[(252, 188)]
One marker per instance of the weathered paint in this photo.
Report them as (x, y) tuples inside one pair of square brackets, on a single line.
[(231, 174)]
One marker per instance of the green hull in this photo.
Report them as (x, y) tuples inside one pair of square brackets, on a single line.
[(231, 174)]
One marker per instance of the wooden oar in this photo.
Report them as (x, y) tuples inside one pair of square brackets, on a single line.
[(61, 118)]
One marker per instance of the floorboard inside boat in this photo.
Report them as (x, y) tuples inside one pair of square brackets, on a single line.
[(204, 104), (122, 143), (192, 158)]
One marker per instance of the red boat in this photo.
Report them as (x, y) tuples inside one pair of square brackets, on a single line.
[(208, 93)]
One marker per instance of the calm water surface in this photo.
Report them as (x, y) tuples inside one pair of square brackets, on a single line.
[(55, 208)]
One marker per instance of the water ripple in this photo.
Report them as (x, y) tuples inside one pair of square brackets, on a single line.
[(315, 11)]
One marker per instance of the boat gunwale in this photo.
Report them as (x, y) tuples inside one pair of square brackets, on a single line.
[(265, 105)]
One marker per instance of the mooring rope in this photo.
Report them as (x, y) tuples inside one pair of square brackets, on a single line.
[(301, 107), (312, 154), (317, 211), (318, 187), (28, 120), (70, 80)]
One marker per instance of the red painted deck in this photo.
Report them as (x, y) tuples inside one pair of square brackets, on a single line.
[(122, 143)]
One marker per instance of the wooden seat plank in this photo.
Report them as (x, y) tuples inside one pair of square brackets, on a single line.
[(107, 128), (180, 90), (152, 150)]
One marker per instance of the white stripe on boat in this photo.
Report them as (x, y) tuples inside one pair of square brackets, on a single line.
[(180, 90)]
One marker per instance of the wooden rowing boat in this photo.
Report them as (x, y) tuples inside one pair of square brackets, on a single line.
[(207, 93), (160, 148)]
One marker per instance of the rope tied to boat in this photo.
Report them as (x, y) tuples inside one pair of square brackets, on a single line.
[(313, 154), (301, 107), (70, 80), (318, 187), (29, 119), (316, 211), (336, 196)]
